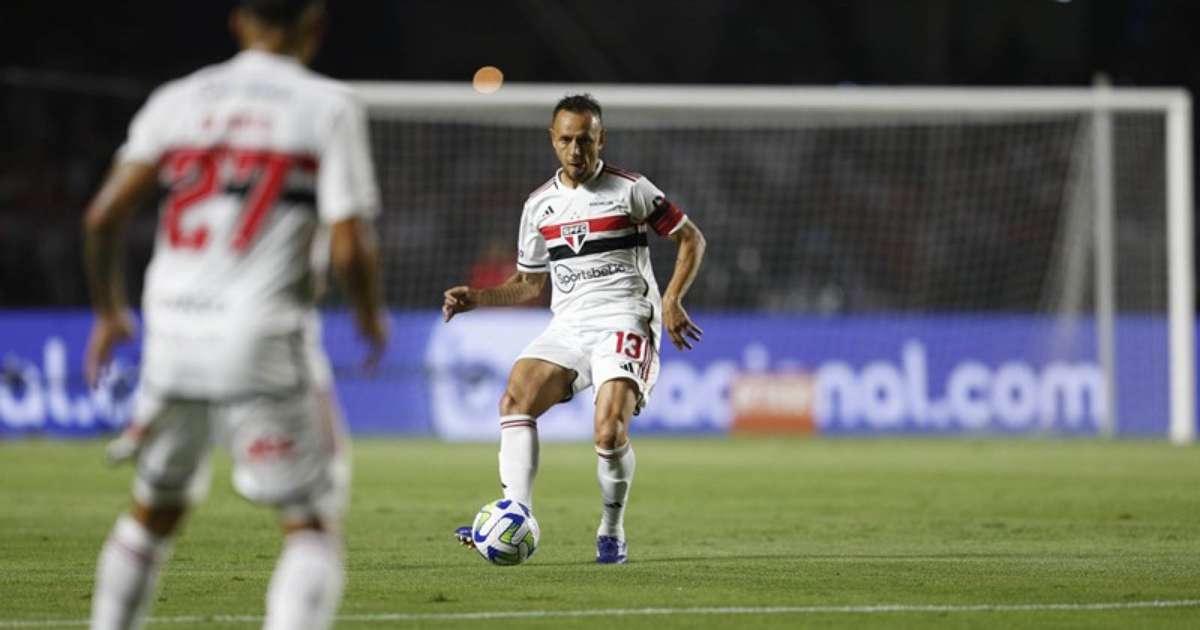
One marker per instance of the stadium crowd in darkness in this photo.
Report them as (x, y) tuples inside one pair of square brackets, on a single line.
[(70, 81)]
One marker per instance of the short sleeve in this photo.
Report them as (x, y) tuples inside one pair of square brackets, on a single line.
[(532, 255), (346, 177), (648, 204), (147, 137)]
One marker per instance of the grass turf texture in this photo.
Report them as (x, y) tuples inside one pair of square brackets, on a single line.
[(712, 523)]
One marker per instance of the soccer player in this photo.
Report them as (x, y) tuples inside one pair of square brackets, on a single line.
[(267, 179), (585, 229)]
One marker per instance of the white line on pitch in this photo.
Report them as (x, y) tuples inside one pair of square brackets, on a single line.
[(635, 612)]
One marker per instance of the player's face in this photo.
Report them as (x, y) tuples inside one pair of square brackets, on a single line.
[(577, 140)]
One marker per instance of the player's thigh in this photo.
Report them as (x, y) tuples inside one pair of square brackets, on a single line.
[(285, 454), (172, 465), (535, 385)]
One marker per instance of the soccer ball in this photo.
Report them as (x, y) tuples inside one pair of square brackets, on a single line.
[(505, 532)]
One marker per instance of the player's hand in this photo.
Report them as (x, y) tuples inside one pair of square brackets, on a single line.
[(682, 330), (107, 331), (375, 329), (458, 300)]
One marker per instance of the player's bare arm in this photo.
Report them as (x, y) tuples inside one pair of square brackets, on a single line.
[(682, 330), (104, 227), (520, 287), (354, 257)]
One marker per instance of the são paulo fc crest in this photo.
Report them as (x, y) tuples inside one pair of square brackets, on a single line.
[(575, 234)]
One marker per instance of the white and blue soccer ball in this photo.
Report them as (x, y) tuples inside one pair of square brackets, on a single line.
[(505, 532)]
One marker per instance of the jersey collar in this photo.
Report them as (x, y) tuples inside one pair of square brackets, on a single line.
[(595, 174), (259, 56)]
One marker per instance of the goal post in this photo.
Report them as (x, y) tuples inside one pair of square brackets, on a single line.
[(1073, 205), (1181, 253)]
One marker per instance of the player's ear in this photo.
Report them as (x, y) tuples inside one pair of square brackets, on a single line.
[(238, 26), (600, 140), (313, 25)]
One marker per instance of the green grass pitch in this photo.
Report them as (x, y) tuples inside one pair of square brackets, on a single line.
[(830, 530)]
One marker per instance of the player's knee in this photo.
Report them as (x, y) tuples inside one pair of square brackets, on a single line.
[(159, 520), (609, 434), (513, 402)]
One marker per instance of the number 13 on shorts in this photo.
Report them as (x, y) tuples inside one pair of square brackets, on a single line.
[(631, 345)]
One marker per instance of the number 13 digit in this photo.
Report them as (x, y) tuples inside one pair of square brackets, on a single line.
[(630, 345)]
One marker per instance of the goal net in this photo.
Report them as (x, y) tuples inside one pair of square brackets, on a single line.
[(1048, 214)]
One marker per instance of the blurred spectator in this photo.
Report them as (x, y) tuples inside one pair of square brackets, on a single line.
[(495, 264)]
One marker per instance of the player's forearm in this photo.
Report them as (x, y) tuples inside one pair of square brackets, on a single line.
[(357, 269), (104, 227), (102, 249), (518, 289), (687, 263)]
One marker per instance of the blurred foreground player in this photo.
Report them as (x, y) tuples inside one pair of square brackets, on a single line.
[(585, 229), (268, 178)]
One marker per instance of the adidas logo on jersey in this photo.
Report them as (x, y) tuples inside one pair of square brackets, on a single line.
[(548, 211), (628, 367)]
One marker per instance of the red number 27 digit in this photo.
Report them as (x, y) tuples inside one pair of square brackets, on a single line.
[(193, 177)]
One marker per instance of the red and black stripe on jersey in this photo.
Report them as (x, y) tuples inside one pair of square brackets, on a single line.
[(605, 234), (637, 239)]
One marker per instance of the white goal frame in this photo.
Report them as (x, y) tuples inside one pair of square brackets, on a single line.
[(448, 101)]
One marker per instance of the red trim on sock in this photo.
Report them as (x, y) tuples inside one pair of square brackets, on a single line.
[(616, 453), (141, 557)]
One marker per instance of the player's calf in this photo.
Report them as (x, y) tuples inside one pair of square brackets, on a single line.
[(127, 574), (307, 584)]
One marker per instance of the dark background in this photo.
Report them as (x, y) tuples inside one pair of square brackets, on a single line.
[(968, 42), (71, 74)]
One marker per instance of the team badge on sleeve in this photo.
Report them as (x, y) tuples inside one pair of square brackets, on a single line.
[(575, 234)]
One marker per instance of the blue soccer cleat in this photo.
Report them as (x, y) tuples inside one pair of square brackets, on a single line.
[(463, 535), (611, 550)]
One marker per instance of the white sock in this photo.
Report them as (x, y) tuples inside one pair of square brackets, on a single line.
[(306, 587), (126, 575), (518, 457), (614, 470)]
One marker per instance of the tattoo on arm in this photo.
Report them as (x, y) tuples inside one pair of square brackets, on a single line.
[(520, 287)]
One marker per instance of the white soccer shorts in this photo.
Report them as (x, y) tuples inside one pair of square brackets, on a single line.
[(289, 452), (599, 351)]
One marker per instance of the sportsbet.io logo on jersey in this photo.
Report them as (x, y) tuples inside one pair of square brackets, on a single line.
[(565, 277)]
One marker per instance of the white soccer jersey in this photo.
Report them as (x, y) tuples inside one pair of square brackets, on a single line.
[(255, 155), (591, 239)]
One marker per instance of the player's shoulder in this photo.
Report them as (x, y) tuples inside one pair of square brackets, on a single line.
[(182, 86), (200, 78), (617, 174), (327, 86), (548, 187), (323, 92), (622, 180)]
